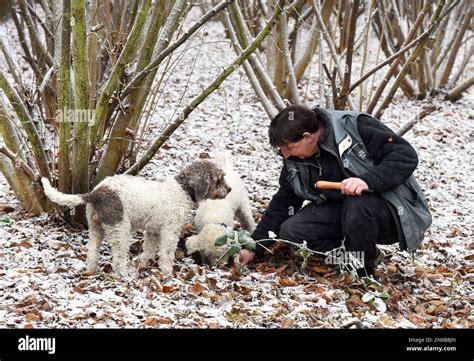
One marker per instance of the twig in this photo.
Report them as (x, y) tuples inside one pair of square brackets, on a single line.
[(434, 21), (364, 51), (455, 49), (289, 64), (344, 93), (332, 79), (18, 162), (462, 66), (455, 94), (11, 65), (407, 126), (27, 123), (43, 53), (102, 108), (389, 60), (327, 38)]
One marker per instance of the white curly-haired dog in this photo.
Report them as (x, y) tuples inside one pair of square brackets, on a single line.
[(121, 204), (214, 216)]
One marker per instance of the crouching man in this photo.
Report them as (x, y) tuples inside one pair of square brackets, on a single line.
[(379, 202)]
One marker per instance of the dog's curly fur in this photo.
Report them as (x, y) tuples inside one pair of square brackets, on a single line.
[(121, 204), (214, 216)]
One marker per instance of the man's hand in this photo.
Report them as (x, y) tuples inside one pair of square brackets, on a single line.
[(353, 186), (244, 257)]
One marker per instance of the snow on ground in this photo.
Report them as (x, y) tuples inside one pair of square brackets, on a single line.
[(42, 259)]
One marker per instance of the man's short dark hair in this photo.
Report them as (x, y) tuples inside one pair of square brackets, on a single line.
[(290, 124)]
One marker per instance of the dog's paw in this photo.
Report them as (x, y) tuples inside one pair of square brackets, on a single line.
[(91, 268), (121, 273), (166, 267)]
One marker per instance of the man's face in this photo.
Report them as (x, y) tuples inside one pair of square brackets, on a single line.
[(304, 148)]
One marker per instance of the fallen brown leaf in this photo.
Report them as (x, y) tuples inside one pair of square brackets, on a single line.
[(417, 320), (197, 289), (235, 316), (287, 323), (385, 321), (156, 321), (45, 306), (188, 227), (78, 290), (469, 258), (28, 301), (286, 282), (33, 317), (242, 289), (263, 268), (234, 274), (312, 288), (212, 283), (107, 268), (320, 269), (354, 303), (167, 289)]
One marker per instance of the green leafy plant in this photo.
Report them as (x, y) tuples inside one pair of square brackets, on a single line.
[(6, 221), (234, 241)]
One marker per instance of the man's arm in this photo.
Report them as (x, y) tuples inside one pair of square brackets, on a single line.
[(394, 158), (283, 205)]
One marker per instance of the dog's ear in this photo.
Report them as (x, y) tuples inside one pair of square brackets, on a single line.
[(201, 179), (202, 186), (184, 179)]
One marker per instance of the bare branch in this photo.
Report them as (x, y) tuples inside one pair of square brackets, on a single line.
[(289, 64), (456, 93)]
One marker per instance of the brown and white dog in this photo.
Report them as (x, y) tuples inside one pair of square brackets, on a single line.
[(121, 204)]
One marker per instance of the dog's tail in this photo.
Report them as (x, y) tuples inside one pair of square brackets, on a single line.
[(223, 160), (63, 199)]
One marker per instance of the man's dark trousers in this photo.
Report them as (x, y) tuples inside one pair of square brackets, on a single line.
[(364, 221)]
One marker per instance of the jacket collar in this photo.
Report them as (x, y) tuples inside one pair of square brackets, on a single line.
[(327, 138)]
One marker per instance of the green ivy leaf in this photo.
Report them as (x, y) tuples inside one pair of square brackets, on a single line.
[(239, 268), (220, 241), (250, 245), (234, 250), (379, 305), (6, 221)]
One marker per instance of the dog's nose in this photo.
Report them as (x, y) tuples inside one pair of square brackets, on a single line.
[(229, 189)]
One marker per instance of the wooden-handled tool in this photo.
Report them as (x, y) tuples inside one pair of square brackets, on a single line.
[(328, 185), (335, 185)]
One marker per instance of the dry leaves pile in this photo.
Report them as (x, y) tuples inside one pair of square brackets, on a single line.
[(45, 286)]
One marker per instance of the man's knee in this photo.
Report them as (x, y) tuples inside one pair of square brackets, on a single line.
[(363, 204), (357, 209)]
